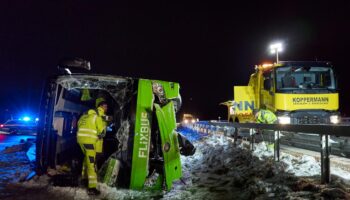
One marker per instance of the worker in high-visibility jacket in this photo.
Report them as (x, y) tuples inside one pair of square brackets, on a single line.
[(99, 144), (91, 129), (264, 116)]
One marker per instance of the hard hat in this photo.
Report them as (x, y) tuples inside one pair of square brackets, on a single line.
[(100, 101)]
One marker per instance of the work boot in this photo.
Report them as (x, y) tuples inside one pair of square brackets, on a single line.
[(93, 191)]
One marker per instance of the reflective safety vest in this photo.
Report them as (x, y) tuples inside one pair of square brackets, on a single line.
[(85, 95), (90, 125), (266, 117)]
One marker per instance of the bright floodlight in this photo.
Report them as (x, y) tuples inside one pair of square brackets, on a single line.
[(26, 119), (275, 48)]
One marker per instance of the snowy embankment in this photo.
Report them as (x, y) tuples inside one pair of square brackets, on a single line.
[(221, 171), (218, 170), (14, 165)]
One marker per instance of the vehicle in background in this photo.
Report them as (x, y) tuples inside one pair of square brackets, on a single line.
[(189, 119), (19, 126), (298, 92)]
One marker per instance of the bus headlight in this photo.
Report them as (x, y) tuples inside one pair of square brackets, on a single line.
[(193, 121), (334, 119), (284, 120), (186, 121)]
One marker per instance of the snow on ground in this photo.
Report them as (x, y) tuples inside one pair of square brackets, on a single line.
[(218, 170), (14, 166), (299, 166)]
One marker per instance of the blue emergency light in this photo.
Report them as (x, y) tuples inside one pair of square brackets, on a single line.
[(26, 118)]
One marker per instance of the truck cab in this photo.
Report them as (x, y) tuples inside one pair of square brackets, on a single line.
[(299, 92)]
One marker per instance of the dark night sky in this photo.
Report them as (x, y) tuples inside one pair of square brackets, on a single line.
[(206, 47)]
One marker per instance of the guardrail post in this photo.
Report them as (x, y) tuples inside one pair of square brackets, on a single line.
[(235, 136), (325, 164), (252, 139), (276, 146)]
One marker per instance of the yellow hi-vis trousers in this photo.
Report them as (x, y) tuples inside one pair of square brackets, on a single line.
[(89, 169), (99, 146)]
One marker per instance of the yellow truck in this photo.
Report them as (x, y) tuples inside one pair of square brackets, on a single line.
[(298, 92)]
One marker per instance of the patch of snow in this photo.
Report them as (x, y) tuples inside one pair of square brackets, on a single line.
[(301, 166), (31, 153), (262, 151), (14, 167), (340, 173)]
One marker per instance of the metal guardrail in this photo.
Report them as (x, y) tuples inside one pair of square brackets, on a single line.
[(323, 130), (345, 120)]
